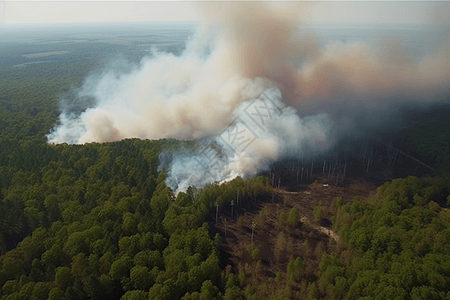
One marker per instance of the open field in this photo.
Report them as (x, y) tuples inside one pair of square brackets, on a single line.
[(35, 55)]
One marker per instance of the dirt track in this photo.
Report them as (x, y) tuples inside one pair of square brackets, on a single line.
[(236, 235), (308, 239)]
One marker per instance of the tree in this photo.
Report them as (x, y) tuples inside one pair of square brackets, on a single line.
[(75, 292), (53, 256), (312, 291), (282, 218), (79, 264), (121, 268), (234, 293), (135, 295), (149, 259), (337, 202), (424, 292), (280, 245), (294, 269), (159, 242), (141, 278), (318, 212), (171, 221), (208, 290), (51, 204), (56, 294), (255, 254), (105, 262), (129, 224), (293, 217), (159, 204), (129, 245), (155, 292), (76, 243), (40, 291), (185, 199), (319, 251), (217, 238), (92, 286), (26, 291), (107, 283), (63, 278)]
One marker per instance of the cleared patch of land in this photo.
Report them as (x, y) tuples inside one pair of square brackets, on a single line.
[(43, 54), (278, 239)]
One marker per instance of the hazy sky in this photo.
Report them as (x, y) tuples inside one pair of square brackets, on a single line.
[(16, 12)]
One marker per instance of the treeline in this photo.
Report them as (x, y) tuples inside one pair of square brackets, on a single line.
[(394, 246), (29, 107), (50, 70), (97, 221)]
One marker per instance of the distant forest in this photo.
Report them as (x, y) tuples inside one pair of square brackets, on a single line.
[(97, 221)]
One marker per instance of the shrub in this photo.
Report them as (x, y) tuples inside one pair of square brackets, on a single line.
[(282, 218), (240, 222), (278, 277), (293, 217), (241, 277), (255, 254), (217, 238), (280, 245)]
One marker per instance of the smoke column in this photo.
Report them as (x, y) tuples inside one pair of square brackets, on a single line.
[(2, 12), (263, 131), (240, 50)]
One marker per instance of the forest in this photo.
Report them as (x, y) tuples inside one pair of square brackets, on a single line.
[(97, 221)]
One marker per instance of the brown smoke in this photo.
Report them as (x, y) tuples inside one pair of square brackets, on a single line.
[(254, 45), (263, 40)]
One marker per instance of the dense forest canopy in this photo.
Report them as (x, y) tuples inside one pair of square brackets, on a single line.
[(97, 221)]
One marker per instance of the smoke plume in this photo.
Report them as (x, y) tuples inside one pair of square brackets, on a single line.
[(238, 52)]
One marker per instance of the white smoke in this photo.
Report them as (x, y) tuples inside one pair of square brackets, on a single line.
[(193, 96), (245, 49), (263, 131)]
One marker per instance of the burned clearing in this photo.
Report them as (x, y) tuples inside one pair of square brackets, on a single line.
[(287, 224)]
